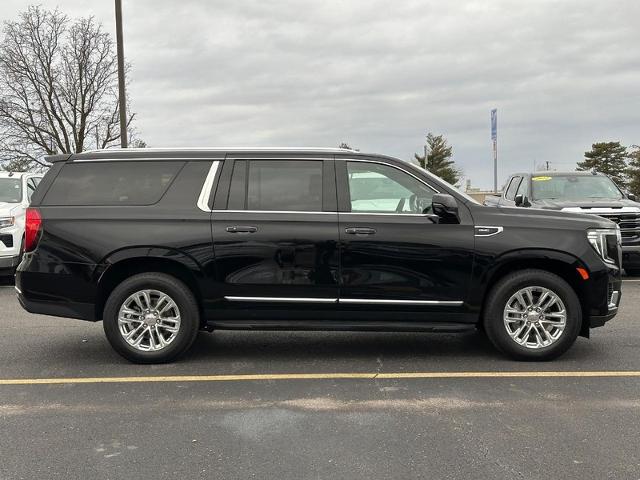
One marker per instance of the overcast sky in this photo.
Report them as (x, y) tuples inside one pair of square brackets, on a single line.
[(379, 74)]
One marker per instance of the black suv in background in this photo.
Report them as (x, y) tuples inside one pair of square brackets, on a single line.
[(578, 192), (159, 244)]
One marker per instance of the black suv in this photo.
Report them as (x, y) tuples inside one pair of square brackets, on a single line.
[(160, 244)]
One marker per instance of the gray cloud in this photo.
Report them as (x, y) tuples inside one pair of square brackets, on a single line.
[(379, 74)]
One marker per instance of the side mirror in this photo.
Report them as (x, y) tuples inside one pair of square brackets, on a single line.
[(521, 201), (445, 206), (631, 197)]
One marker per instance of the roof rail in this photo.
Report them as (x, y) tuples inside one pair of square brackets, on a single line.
[(224, 149)]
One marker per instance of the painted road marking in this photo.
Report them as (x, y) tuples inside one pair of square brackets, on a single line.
[(319, 376)]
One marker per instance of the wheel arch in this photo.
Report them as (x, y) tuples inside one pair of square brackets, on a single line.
[(124, 264), (560, 263)]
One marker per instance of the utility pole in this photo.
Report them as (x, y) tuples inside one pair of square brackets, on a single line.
[(121, 87)]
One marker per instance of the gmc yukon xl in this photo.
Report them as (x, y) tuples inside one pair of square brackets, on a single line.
[(160, 244)]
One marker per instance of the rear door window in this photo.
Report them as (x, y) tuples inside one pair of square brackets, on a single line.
[(276, 185), (112, 183)]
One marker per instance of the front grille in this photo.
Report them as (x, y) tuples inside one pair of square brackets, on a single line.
[(7, 240), (629, 224)]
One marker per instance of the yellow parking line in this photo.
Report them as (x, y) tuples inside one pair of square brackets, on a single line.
[(317, 376)]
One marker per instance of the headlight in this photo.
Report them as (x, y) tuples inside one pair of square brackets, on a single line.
[(605, 241), (7, 221)]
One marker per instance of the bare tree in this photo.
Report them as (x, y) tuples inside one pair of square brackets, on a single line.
[(58, 88)]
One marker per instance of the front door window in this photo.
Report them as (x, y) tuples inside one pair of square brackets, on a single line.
[(378, 188)]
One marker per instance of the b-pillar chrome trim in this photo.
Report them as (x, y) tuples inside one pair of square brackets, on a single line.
[(205, 193), (353, 301)]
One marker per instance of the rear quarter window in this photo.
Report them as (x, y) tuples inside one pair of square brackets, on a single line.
[(112, 183)]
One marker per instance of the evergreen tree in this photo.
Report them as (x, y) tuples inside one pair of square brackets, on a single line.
[(437, 159), (633, 172), (608, 158)]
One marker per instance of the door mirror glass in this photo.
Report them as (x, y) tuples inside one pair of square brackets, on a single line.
[(519, 200), (446, 207), (631, 197)]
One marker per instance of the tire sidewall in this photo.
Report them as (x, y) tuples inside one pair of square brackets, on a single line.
[(180, 294), (494, 323)]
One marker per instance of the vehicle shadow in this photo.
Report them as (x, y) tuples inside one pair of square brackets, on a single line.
[(6, 280), (265, 352), (336, 346), (471, 350)]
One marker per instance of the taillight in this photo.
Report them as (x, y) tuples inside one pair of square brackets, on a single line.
[(32, 227)]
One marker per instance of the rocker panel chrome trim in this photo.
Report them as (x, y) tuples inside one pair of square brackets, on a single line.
[(281, 299)]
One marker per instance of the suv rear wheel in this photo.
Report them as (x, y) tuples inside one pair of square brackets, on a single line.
[(151, 318), (533, 315)]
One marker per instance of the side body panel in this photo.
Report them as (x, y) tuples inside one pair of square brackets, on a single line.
[(406, 262), (80, 244), (274, 264)]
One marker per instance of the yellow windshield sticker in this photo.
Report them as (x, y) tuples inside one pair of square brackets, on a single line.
[(540, 179)]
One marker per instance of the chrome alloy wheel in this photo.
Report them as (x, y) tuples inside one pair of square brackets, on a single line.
[(535, 317), (149, 320)]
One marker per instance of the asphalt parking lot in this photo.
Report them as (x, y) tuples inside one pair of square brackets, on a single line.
[(364, 420)]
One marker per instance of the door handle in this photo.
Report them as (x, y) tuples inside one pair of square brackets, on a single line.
[(360, 231), (242, 229)]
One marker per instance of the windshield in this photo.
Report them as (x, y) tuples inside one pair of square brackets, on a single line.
[(10, 190), (574, 187)]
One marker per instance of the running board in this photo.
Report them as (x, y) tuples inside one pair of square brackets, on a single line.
[(333, 325)]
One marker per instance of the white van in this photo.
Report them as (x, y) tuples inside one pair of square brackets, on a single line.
[(15, 194)]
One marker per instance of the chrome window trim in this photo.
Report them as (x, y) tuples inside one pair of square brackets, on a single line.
[(143, 159), (392, 166), (476, 227), (275, 158), (205, 193), (306, 212), (387, 214), (281, 299), (400, 302)]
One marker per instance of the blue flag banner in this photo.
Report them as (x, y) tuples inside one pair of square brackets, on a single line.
[(494, 124)]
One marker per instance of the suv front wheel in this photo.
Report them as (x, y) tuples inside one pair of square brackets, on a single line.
[(151, 318), (533, 315)]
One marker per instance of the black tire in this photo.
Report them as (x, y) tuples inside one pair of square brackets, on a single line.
[(178, 292), (508, 286)]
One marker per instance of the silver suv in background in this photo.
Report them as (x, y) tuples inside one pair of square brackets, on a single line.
[(16, 190)]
